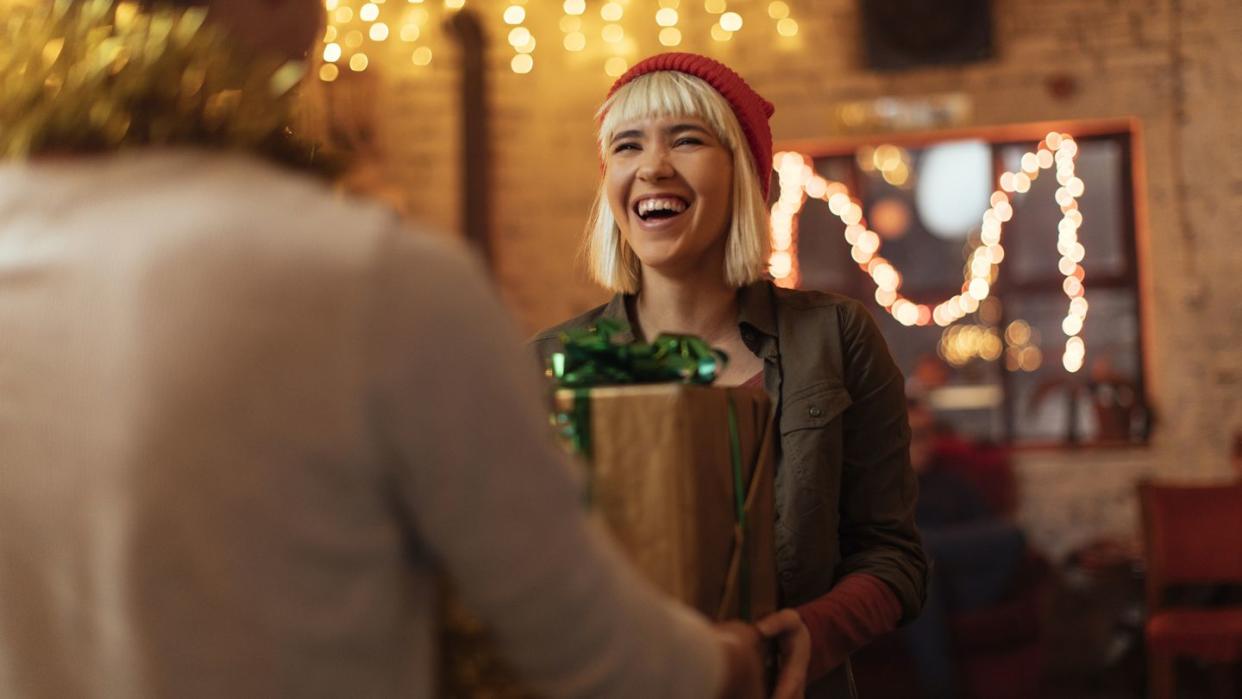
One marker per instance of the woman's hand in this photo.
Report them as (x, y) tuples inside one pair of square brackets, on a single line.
[(794, 642), (743, 664)]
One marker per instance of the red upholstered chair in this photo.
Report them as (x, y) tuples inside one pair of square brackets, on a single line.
[(1193, 537)]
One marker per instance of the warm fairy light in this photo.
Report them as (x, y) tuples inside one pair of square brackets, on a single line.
[(353, 23), (615, 66), (781, 264), (421, 56), (522, 63), (329, 72), (332, 53), (670, 36), (613, 33), (515, 14), (518, 36), (358, 62), (797, 182)]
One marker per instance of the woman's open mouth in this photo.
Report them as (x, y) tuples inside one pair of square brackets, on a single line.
[(655, 210)]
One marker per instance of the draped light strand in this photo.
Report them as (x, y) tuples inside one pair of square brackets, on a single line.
[(798, 181)]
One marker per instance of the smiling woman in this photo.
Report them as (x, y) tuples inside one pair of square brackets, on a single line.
[(679, 232)]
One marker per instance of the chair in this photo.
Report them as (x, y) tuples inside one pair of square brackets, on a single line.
[(1193, 537)]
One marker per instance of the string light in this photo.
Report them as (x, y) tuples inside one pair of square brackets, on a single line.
[(522, 63), (520, 38), (571, 24), (798, 181), (515, 14), (382, 21)]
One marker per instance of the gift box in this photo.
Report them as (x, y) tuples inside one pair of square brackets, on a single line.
[(660, 473)]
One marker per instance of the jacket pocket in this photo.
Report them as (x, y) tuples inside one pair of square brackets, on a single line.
[(813, 407)]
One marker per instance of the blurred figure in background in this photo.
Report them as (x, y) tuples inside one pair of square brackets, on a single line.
[(975, 551), (245, 426)]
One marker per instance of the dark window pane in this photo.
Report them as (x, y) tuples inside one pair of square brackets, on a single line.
[(1030, 237), (1100, 402)]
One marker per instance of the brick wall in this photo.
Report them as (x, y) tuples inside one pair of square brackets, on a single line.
[(1176, 65)]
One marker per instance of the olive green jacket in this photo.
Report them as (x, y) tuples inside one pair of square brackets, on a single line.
[(845, 492)]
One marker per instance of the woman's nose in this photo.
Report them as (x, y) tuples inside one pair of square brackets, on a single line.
[(655, 165)]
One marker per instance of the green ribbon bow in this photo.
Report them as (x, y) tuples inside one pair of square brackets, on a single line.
[(591, 358)]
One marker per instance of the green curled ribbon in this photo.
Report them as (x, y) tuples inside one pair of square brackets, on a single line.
[(591, 358)]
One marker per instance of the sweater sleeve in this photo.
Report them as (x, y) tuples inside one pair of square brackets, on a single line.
[(494, 500), (860, 609)]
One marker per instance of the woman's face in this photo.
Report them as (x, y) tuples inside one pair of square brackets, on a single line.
[(669, 183)]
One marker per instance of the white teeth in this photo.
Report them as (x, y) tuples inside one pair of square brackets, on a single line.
[(672, 204)]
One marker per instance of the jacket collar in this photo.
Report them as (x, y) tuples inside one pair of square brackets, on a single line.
[(755, 309)]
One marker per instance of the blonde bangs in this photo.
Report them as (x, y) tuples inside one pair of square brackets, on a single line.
[(667, 94)]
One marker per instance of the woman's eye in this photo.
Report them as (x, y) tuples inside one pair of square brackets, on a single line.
[(688, 141), (624, 147)]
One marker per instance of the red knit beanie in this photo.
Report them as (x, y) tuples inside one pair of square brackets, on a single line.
[(752, 110)]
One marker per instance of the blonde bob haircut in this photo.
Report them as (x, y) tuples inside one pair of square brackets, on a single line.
[(611, 261)]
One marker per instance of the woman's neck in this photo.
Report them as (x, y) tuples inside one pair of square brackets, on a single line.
[(699, 305)]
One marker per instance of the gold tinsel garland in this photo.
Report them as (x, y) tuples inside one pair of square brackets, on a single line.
[(102, 75)]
